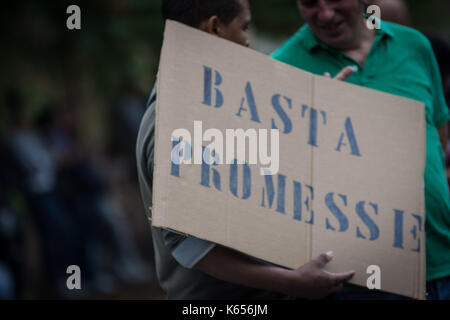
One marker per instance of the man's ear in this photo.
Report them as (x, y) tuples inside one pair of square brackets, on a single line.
[(211, 25)]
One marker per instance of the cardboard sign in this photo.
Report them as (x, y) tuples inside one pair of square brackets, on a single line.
[(350, 174)]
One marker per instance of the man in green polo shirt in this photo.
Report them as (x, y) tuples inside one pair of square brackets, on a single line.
[(394, 59)]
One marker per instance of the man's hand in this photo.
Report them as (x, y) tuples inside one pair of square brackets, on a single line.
[(309, 281), (312, 282), (342, 75)]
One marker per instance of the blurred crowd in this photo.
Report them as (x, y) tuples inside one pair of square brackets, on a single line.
[(51, 184)]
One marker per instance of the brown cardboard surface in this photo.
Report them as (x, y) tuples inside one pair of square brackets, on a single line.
[(386, 173), (389, 173)]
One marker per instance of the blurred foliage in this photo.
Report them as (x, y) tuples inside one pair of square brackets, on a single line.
[(118, 40), (119, 43)]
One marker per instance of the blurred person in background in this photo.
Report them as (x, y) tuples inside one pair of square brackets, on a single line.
[(11, 233), (401, 62), (85, 188), (128, 109), (69, 200), (35, 177)]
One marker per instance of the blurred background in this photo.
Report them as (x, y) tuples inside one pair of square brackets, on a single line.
[(71, 105)]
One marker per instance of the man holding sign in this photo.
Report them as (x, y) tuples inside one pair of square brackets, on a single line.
[(190, 268), (393, 59)]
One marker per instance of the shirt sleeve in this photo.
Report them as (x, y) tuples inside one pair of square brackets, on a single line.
[(185, 249), (441, 114)]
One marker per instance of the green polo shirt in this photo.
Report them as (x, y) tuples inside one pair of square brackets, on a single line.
[(401, 62)]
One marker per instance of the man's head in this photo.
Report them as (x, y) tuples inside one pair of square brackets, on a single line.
[(337, 23), (228, 19)]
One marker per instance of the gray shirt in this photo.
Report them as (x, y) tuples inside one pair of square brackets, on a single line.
[(176, 254)]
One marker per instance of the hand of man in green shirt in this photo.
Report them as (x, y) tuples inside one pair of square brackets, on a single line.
[(343, 74)]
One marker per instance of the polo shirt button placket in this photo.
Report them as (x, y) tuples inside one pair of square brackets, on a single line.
[(357, 72), (370, 74)]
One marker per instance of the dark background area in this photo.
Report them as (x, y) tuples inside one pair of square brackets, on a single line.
[(89, 86)]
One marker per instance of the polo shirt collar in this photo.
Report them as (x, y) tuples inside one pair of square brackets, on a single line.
[(310, 42)]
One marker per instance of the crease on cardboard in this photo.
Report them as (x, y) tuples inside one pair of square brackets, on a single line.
[(309, 227), (421, 279), (419, 289)]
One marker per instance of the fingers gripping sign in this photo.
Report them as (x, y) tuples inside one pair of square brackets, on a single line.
[(343, 74), (311, 281)]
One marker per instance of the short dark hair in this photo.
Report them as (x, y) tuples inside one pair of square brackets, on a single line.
[(193, 12)]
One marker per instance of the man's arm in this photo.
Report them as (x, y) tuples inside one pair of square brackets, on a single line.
[(309, 281)]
